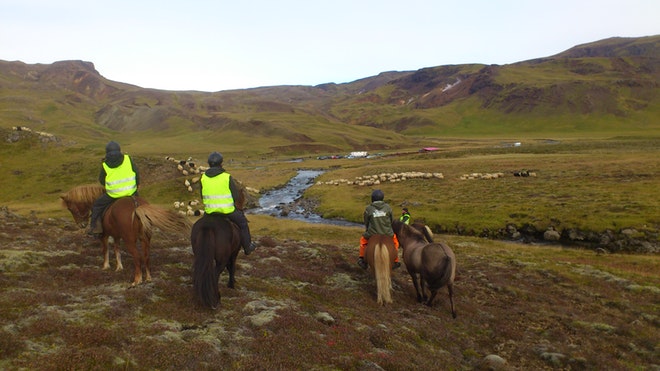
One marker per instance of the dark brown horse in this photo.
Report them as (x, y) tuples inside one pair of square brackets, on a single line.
[(216, 244), (129, 219), (380, 255), (431, 265)]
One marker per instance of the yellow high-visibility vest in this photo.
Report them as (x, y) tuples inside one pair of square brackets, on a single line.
[(120, 181), (216, 194)]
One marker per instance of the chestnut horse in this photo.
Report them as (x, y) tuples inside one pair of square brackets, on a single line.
[(380, 255), (433, 263), (129, 219), (216, 243)]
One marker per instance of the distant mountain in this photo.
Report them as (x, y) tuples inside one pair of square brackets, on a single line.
[(608, 85), (616, 47)]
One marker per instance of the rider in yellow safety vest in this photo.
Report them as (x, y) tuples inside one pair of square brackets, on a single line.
[(219, 190), (120, 177), (405, 216)]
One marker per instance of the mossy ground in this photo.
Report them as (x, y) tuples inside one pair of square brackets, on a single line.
[(304, 304)]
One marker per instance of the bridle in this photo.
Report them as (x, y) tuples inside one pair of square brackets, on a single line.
[(78, 215)]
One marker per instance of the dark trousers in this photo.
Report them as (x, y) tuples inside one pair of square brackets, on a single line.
[(238, 217), (100, 204)]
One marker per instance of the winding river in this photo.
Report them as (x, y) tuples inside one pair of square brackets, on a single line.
[(282, 203)]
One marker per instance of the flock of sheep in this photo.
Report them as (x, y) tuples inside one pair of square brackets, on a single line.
[(189, 169), (481, 176), (370, 180), (44, 136)]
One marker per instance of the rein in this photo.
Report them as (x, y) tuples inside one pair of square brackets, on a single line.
[(80, 214)]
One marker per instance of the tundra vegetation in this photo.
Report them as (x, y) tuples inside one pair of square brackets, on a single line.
[(300, 300), (554, 271)]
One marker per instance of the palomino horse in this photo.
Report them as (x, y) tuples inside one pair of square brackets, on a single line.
[(216, 244), (433, 262), (380, 255), (129, 219)]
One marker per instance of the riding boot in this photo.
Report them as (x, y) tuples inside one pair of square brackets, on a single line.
[(95, 228), (362, 263), (98, 207), (246, 242), (98, 228)]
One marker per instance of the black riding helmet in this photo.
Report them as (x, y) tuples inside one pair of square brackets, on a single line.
[(215, 159), (112, 146), (113, 155), (377, 195)]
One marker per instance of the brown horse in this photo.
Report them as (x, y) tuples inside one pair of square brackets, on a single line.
[(129, 219), (380, 255), (216, 244), (433, 263)]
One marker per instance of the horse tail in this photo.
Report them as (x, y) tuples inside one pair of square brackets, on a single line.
[(205, 284), (382, 271), (167, 221)]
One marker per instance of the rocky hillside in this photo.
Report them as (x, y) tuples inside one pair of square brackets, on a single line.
[(607, 84)]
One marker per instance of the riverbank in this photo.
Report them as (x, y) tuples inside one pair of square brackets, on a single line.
[(288, 202)]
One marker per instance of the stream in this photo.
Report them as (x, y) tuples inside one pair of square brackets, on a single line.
[(285, 202)]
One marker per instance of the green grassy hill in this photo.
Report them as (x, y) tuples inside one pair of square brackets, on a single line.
[(590, 110), (612, 88), (606, 86)]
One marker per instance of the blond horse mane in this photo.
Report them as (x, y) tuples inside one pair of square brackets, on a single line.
[(83, 194)]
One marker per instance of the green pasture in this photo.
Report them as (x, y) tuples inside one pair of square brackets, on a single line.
[(593, 184), (588, 184)]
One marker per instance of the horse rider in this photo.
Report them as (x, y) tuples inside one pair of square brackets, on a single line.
[(405, 216), (377, 220), (120, 177), (219, 190)]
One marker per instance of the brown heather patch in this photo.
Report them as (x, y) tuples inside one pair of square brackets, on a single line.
[(299, 304)]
